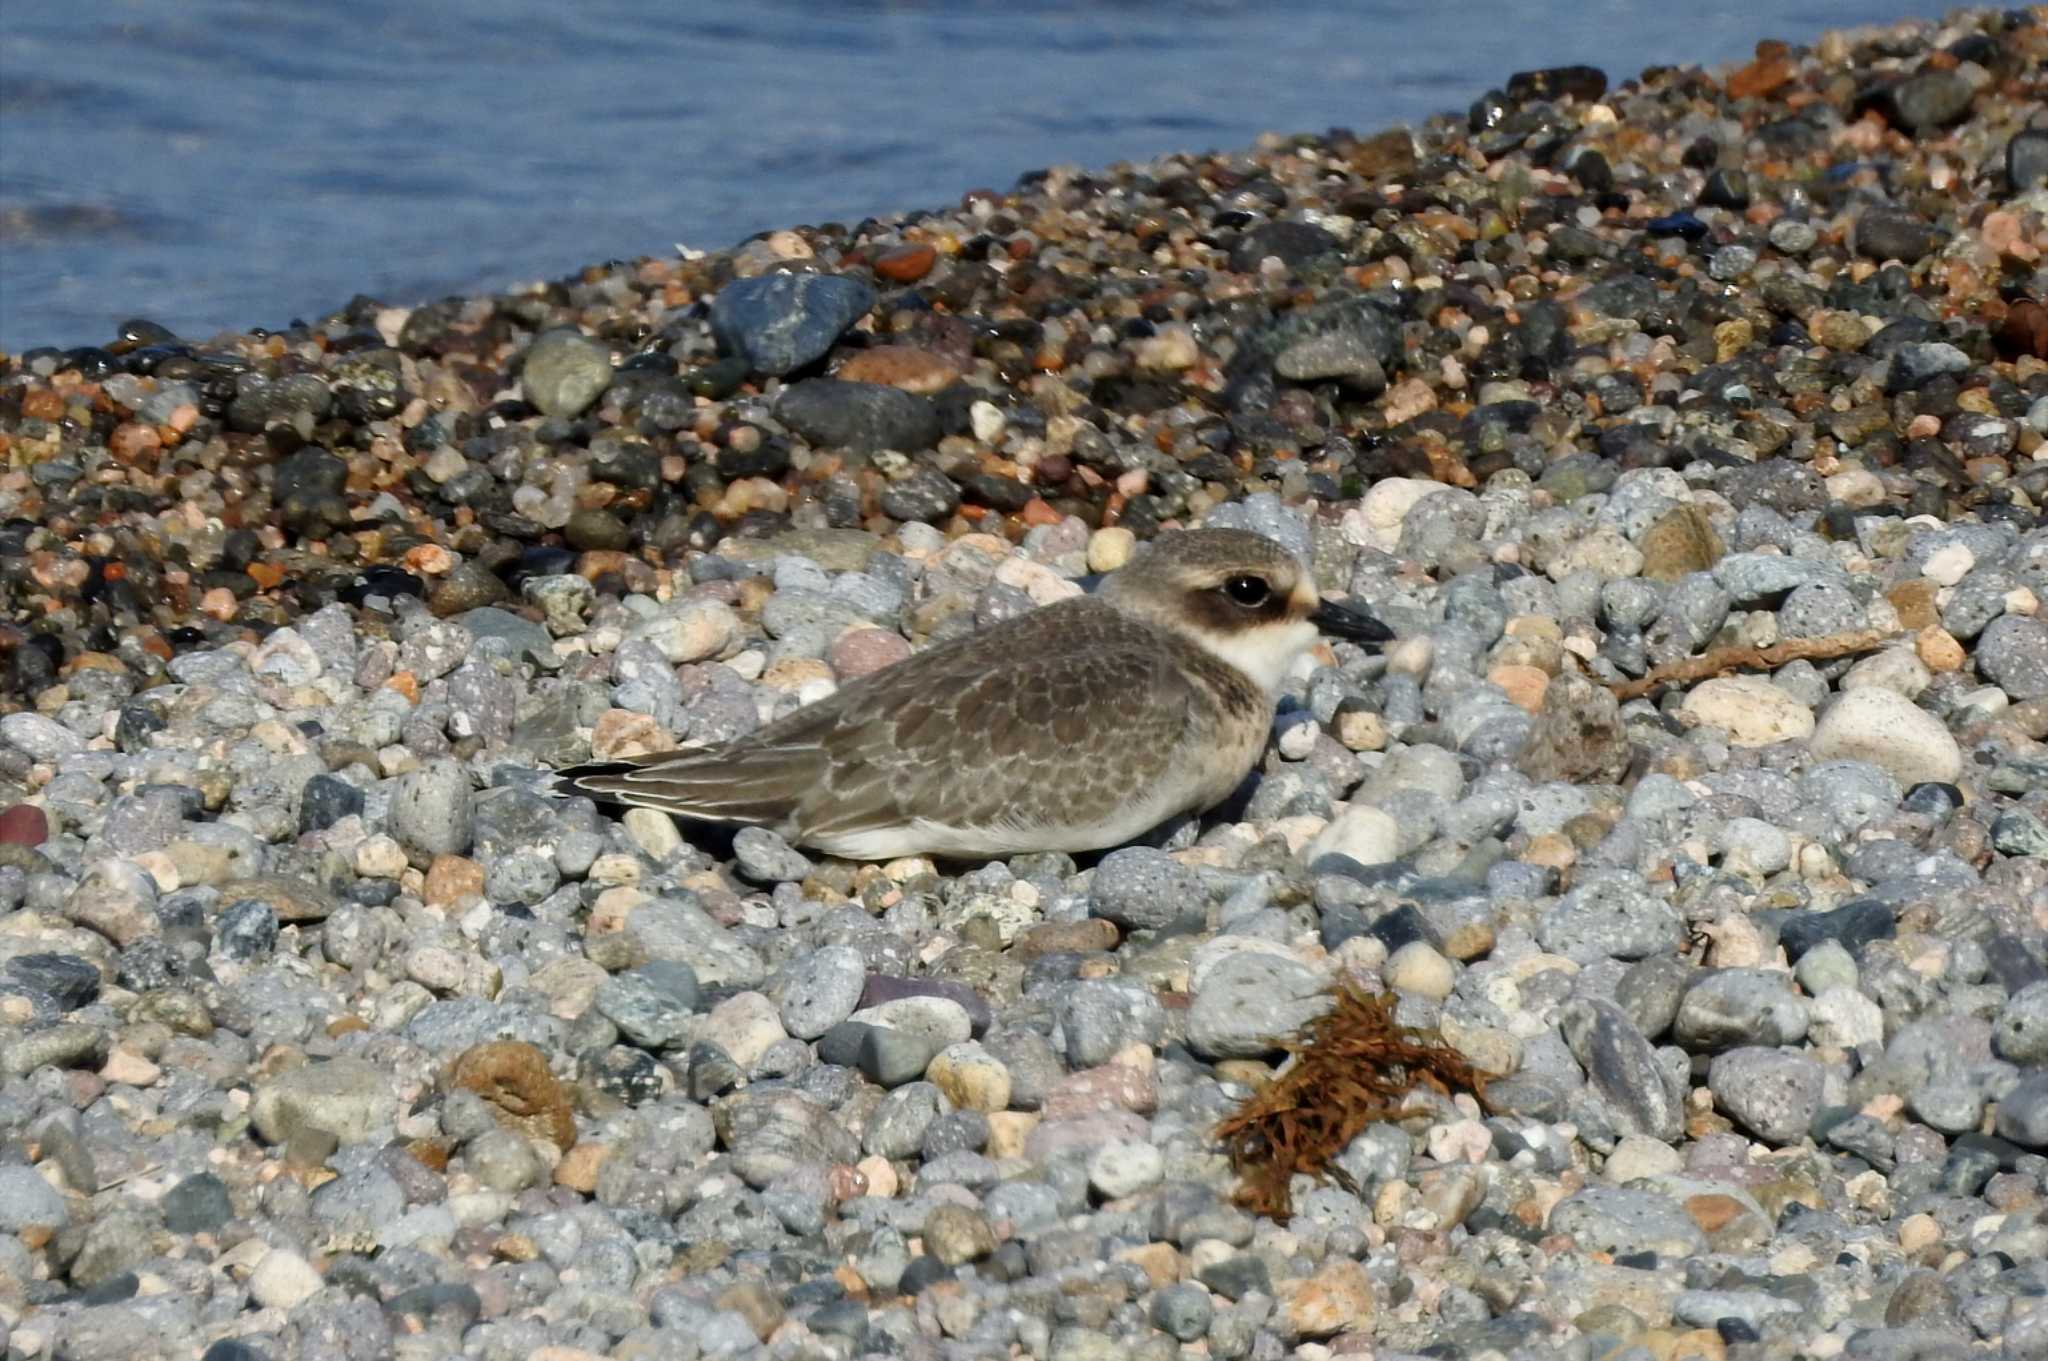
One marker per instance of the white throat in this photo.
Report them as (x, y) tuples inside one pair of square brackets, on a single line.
[(1264, 653)]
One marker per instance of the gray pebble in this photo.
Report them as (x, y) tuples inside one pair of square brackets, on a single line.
[(432, 810), (1772, 1093), (1246, 1003)]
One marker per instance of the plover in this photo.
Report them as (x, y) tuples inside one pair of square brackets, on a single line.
[(1076, 727)]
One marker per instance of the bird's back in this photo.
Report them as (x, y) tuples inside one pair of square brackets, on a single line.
[(1075, 726)]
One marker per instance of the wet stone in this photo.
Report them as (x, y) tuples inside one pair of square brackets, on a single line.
[(781, 322), (198, 1204), (565, 371)]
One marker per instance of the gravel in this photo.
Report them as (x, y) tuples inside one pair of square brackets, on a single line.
[(329, 1032)]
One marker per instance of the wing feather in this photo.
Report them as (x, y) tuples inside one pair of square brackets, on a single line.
[(1003, 728)]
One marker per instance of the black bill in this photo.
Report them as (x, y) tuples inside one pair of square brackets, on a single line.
[(1351, 625)]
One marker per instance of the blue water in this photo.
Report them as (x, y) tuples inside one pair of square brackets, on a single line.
[(233, 163)]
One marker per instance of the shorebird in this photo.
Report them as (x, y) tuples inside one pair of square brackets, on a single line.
[(1076, 727)]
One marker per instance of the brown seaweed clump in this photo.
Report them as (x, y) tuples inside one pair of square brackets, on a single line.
[(514, 1080), (1355, 1065)]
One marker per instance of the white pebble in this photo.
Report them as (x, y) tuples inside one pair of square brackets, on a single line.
[(653, 832), (283, 1280), (1888, 730), (1124, 1168), (1636, 1156), (1367, 835), (1949, 564), (1417, 967), (1751, 710), (988, 420)]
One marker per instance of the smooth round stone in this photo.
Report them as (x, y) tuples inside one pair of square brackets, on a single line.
[(1840, 1017), (1754, 844), (868, 418), (1609, 919), (1183, 1311), (940, 1019), (1751, 710), (432, 811), (198, 1204), (647, 1011), (1622, 1067), (1828, 965), (326, 800), (1248, 1002), (28, 1201), (1883, 727), (1623, 1221), (781, 322), (1110, 548), (1100, 1016), (1125, 1168), (1417, 967), (283, 1280), (504, 1161), (24, 824), (2023, 1113), (696, 631), (972, 1078), (39, 737), (1740, 1006), (1139, 887), (1896, 669), (1792, 236), (1637, 1156), (565, 371), (2021, 1031), (1386, 504), (956, 1235), (898, 1126), (1366, 835), (2012, 652), (765, 858), (1773, 1093), (821, 989), (862, 651), (745, 1026), (346, 1097)]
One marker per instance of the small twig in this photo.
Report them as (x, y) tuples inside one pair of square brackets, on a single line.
[(1724, 660)]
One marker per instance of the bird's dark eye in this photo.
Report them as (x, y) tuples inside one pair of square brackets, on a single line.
[(1248, 591)]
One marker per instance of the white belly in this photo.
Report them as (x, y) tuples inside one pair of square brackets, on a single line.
[(929, 836)]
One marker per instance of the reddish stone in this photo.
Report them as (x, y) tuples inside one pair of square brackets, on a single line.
[(906, 264), (42, 405), (1760, 77), (24, 825)]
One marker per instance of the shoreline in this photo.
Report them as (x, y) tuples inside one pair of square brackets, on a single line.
[(329, 1036)]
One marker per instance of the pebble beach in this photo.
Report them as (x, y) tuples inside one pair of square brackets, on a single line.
[(1688, 429)]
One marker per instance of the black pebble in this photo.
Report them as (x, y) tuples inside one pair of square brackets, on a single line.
[(247, 929), (326, 800)]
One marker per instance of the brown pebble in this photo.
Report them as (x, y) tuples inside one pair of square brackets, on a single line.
[(1054, 938), (900, 366), (578, 1169), (906, 264), (451, 878)]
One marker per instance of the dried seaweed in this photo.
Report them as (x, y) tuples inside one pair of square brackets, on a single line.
[(1355, 1065), (1724, 661)]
